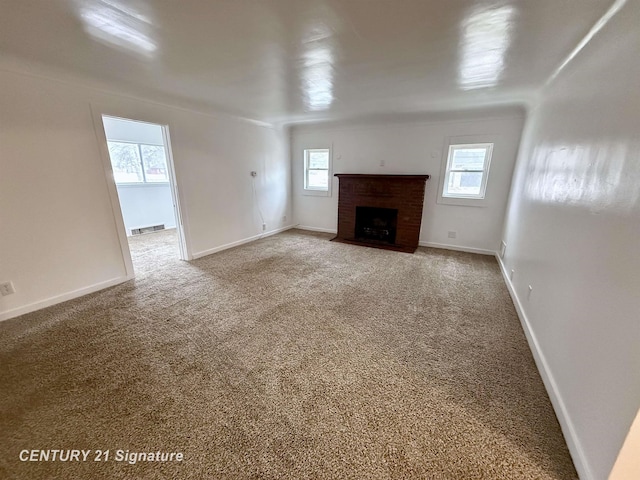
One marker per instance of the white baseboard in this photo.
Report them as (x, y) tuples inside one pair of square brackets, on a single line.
[(575, 447), (422, 244), (457, 248), (32, 307), (316, 229), (237, 243)]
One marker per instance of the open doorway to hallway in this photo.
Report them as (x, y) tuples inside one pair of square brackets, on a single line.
[(142, 168)]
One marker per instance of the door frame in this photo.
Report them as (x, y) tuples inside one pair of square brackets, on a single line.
[(182, 229), (173, 183)]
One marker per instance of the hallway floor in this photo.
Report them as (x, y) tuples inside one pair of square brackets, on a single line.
[(151, 251)]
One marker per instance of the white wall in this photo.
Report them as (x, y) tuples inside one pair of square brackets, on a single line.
[(412, 148), (58, 235), (573, 234), (146, 205)]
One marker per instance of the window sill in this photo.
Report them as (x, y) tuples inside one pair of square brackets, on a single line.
[(143, 185), (462, 202), (316, 193)]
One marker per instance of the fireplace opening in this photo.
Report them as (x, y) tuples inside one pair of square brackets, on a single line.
[(376, 225)]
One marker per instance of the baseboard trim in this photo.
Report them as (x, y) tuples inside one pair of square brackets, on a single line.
[(422, 244), (237, 243), (457, 248), (575, 447), (32, 307), (316, 229)]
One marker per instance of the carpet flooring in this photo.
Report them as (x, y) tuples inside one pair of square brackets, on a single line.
[(291, 357)]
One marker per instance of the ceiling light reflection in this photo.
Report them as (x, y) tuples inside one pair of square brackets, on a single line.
[(317, 77), (117, 24), (486, 35), (317, 63)]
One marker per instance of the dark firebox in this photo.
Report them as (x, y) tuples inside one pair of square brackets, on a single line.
[(376, 224)]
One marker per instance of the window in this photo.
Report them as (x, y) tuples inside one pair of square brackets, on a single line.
[(316, 171), (466, 172), (138, 163)]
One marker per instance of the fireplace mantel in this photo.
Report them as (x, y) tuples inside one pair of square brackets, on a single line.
[(397, 198), (423, 178)]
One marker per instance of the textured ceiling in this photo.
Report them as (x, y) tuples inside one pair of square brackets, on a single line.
[(288, 61)]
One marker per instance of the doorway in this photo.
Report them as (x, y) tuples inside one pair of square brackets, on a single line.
[(144, 176)]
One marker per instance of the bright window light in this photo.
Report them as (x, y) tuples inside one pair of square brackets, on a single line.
[(138, 163), (316, 169), (467, 171)]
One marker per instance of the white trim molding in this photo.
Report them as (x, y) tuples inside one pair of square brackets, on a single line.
[(568, 429), (317, 192), (237, 243), (443, 246), (489, 142), (47, 302), (457, 248), (316, 229)]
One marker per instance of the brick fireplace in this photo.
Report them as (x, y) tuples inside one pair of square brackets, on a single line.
[(382, 211)]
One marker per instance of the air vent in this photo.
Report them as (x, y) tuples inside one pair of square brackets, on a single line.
[(140, 231)]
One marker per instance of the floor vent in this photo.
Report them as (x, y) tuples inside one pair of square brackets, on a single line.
[(140, 231)]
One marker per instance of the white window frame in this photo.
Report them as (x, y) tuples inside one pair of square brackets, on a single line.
[(457, 143), (144, 182), (321, 192)]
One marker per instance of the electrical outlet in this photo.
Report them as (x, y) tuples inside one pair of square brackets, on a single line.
[(453, 234), (284, 218), (382, 163), (264, 227), (6, 288)]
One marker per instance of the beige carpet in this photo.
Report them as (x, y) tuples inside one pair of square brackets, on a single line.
[(288, 358), (152, 251)]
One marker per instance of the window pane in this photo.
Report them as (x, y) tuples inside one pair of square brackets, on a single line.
[(468, 159), (464, 183), (125, 161), (319, 159), (318, 179), (155, 163)]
